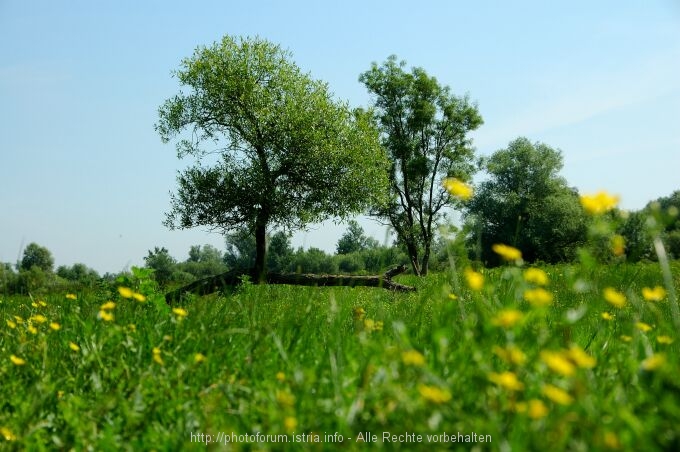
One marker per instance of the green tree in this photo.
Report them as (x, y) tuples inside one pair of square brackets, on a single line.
[(279, 252), (163, 265), (526, 204), (241, 249), (288, 153), (203, 261), (37, 256), (354, 239), (424, 129), (79, 273)]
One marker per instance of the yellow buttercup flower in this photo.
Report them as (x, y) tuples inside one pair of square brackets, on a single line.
[(654, 362), (538, 297), (42, 303), (108, 306), (658, 293), (156, 354), (434, 394), (579, 357), (642, 326), (38, 318), (458, 189), (413, 358), (139, 297), (599, 203), (73, 346), (285, 398), (507, 252), (7, 434), (626, 338), (280, 376), (507, 380), (199, 358), (55, 326), (125, 292), (664, 340), (614, 297), (537, 409), (475, 280), (31, 329), (507, 318), (106, 316), (11, 324), (557, 395), (17, 361), (607, 316), (180, 312), (359, 313), (290, 423), (558, 363), (536, 276), (71, 296), (511, 354)]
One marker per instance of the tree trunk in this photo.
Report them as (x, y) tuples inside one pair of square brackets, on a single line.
[(260, 270), (426, 260), (234, 277)]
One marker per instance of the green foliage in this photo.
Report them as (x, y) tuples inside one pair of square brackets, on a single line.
[(162, 264), (424, 129), (289, 154), (203, 261), (37, 256), (526, 204), (78, 273), (354, 239), (313, 260)]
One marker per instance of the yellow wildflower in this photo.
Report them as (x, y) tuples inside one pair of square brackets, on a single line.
[(108, 306), (626, 338), (664, 340), (71, 296), (7, 434), (607, 316), (458, 189), (280, 376), (507, 380), (31, 329), (434, 394), (599, 203), (557, 395), (537, 409), (452, 296), (42, 303), (579, 357), (180, 312), (658, 293), (618, 244), (11, 324), (125, 292), (654, 362), (18, 319), (538, 297), (38, 318), (611, 440), (413, 358), (73, 346), (511, 354), (536, 276), (507, 252), (290, 423), (373, 325), (132, 328), (507, 318), (615, 298), (106, 316), (17, 361), (475, 280), (139, 297), (156, 352), (642, 326), (285, 398), (558, 363), (55, 326), (199, 358), (359, 313)]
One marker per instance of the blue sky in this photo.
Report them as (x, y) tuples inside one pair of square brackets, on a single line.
[(83, 172)]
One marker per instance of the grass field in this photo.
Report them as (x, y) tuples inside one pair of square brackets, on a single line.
[(587, 363)]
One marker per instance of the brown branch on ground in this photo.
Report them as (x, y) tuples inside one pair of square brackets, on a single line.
[(234, 277)]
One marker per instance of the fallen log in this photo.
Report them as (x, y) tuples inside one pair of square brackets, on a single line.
[(234, 277)]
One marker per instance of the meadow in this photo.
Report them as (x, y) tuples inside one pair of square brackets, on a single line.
[(568, 357)]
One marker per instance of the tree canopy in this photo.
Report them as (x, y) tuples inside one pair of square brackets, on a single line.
[(526, 204), (37, 256), (424, 130), (288, 153)]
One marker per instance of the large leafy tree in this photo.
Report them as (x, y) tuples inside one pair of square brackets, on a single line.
[(526, 204), (288, 153), (424, 129), (354, 239), (37, 256)]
